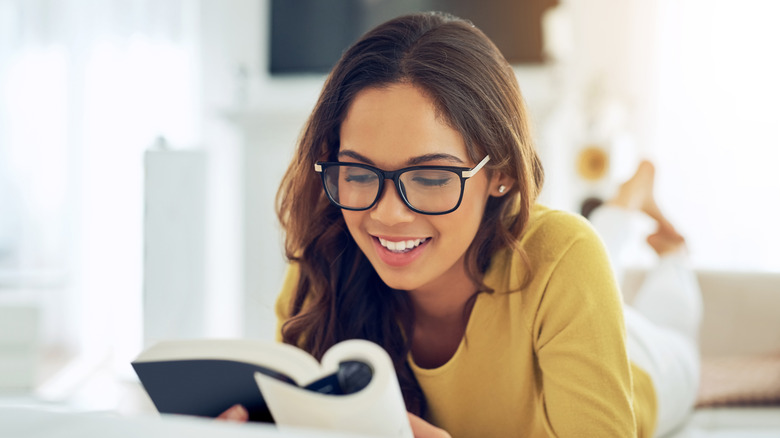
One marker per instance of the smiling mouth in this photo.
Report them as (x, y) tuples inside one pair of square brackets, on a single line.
[(403, 245)]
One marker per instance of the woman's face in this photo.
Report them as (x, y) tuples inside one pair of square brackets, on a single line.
[(395, 127)]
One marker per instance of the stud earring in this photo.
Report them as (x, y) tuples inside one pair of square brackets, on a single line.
[(501, 188)]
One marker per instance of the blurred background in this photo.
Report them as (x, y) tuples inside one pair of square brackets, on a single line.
[(142, 143)]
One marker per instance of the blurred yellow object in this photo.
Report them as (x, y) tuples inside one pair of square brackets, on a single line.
[(593, 163)]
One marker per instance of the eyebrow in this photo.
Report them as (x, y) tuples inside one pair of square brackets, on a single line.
[(411, 162)]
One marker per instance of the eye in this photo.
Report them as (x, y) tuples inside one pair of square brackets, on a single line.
[(432, 182), (359, 176), (432, 178)]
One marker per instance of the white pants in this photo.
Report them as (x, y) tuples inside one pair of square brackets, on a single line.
[(662, 322)]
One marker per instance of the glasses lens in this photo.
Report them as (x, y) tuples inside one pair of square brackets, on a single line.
[(351, 186), (431, 190)]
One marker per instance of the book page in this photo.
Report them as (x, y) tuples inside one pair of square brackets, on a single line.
[(378, 409)]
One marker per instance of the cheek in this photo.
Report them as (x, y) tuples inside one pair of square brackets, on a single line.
[(353, 220), (472, 207), (464, 222), (349, 217)]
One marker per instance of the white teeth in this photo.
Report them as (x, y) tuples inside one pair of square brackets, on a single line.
[(402, 245)]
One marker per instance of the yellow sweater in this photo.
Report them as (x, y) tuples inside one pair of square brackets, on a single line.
[(545, 360)]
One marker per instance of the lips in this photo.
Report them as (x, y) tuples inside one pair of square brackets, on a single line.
[(399, 252)]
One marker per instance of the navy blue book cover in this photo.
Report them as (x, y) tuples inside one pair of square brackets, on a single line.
[(205, 387)]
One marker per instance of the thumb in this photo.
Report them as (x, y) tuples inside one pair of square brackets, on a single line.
[(424, 429)]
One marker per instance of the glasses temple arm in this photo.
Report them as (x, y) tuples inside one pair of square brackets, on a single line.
[(472, 172)]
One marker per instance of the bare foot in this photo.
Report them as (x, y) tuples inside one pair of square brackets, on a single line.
[(637, 194), (666, 240)]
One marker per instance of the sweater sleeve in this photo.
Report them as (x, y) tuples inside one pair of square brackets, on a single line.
[(581, 347)]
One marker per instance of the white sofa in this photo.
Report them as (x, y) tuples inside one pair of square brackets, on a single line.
[(741, 311), (741, 319)]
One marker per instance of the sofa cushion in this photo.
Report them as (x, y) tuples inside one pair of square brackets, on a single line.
[(740, 381)]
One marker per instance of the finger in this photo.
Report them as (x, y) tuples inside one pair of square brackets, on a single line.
[(424, 429), (235, 413)]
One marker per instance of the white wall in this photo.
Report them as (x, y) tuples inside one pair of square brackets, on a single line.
[(251, 123)]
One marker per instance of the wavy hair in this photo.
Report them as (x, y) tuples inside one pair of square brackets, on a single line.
[(339, 295)]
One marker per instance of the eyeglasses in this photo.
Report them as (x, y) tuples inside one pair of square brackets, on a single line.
[(424, 189)]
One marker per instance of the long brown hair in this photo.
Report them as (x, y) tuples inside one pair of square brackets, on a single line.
[(339, 294)]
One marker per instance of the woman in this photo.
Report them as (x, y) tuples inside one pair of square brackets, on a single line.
[(411, 220)]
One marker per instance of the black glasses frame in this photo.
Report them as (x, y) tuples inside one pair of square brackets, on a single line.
[(463, 173)]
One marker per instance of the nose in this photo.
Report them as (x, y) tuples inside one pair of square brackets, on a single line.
[(390, 209)]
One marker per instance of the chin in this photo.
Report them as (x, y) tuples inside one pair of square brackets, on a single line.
[(394, 282), (399, 280)]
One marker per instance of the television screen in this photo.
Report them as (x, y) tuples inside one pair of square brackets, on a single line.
[(308, 36)]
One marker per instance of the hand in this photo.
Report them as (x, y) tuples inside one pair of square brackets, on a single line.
[(236, 413), (424, 429)]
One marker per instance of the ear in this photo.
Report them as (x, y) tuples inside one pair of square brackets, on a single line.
[(500, 184)]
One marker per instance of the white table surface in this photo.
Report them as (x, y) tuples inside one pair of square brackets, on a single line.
[(37, 422), (732, 422), (40, 421)]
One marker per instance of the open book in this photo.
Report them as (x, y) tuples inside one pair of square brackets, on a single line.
[(354, 389)]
